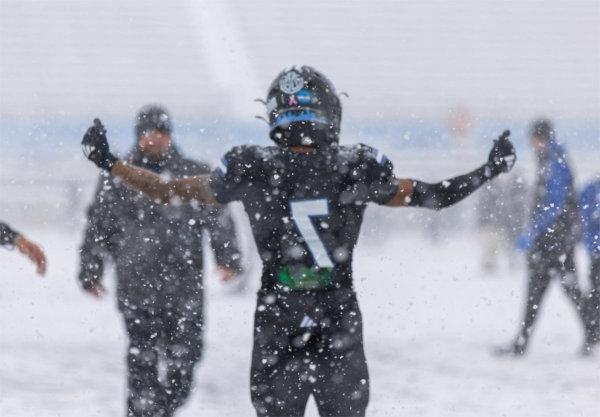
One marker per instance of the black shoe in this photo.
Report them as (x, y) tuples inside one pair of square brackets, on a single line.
[(517, 348)]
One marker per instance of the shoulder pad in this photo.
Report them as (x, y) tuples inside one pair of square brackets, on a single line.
[(253, 153), (244, 158)]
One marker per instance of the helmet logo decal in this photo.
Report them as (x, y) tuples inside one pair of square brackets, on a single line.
[(291, 82), (292, 101), (304, 97)]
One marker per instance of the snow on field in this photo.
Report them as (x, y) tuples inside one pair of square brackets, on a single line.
[(430, 318)]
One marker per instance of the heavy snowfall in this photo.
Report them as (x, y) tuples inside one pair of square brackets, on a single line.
[(430, 84), (431, 319)]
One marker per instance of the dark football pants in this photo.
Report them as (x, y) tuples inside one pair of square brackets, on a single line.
[(543, 265), (170, 339), (594, 299), (309, 343)]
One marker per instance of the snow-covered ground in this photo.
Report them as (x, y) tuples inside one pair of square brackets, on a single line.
[(430, 318)]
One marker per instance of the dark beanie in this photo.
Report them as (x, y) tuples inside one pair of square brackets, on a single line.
[(542, 128), (152, 117)]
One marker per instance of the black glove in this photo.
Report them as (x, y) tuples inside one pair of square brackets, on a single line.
[(95, 146), (502, 156)]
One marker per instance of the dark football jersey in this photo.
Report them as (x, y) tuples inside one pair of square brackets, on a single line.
[(305, 210)]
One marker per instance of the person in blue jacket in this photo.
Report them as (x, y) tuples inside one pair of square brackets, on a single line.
[(589, 209), (551, 236)]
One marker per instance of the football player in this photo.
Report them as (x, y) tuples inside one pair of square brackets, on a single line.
[(305, 198)]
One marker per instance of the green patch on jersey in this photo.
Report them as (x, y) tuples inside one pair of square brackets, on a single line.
[(305, 278)]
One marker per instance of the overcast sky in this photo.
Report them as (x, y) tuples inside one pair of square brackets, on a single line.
[(395, 59)]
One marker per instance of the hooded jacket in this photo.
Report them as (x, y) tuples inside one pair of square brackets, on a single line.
[(156, 248)]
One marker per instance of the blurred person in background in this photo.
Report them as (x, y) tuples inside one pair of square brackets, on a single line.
[(11, 238), (157, 252), (589, 208), (551, 236), (501, 212)]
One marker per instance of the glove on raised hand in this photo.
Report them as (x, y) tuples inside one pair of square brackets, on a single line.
[(502, 156), (95, 146)]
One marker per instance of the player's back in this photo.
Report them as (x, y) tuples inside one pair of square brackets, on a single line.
[(305, 209)]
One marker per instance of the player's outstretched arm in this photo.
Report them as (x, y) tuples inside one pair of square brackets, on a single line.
[(28, 248), (32, 251), (96, 149), (195, 188), (448, 192)]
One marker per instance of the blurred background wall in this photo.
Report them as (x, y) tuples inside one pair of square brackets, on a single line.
[(429, 82)]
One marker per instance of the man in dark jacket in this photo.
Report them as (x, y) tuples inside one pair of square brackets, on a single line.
[(157, 253), (11, 238), (549, 240), (589, 208)]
